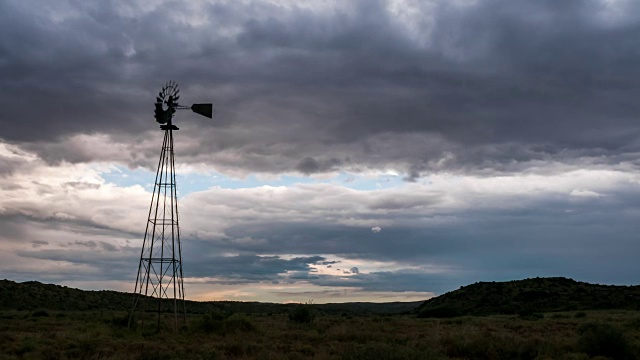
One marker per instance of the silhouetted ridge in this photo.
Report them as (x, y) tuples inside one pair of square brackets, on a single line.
[(32, 295), (529, 296)]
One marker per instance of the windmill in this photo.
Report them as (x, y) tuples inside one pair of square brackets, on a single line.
[(159, 283)]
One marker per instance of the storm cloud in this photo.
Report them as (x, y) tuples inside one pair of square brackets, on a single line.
[(416, 86), (491, 140)]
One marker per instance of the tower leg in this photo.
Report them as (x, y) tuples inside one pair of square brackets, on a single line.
[(160, 276)]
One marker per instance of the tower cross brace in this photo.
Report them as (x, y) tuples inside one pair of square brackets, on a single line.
[(160, 277)]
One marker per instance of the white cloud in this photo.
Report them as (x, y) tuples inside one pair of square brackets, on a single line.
[(65, 205), (580, 193)]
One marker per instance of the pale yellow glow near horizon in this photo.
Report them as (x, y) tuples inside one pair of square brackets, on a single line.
[(299, 293), (269, 293)]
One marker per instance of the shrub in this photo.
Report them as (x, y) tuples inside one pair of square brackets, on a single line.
[(122, 321), (241, 349), (531, 316), (633, 323), (599, 339), (443, 311), (481, 345), (302, 314), (218, 323), (40, 313), (580, 315), (238, 322), (382, 351), (27, 346), (211, 322)]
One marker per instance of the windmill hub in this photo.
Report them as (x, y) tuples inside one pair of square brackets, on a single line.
[(167, 104)]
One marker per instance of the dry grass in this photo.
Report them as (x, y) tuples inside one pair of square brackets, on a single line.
[(102, 335)]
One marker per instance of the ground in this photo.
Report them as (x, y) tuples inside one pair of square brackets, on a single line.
[(45, 334)]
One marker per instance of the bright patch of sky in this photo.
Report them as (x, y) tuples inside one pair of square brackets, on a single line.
[(295, 293), (190, 182)]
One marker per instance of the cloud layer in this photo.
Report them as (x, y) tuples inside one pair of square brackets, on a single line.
[(496, 141), (413, 86), (438, 233)]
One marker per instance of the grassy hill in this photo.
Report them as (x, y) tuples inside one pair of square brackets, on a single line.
[(484, 298), (530, 296), (32, 295)]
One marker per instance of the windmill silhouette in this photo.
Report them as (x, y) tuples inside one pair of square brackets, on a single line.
[(160, 282)]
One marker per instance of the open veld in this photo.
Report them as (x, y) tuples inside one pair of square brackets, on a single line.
[(229, 330), (104, 335)]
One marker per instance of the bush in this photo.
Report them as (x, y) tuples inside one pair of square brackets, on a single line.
[(599, 339), (220, 324), (238, 322), (486, 346), (633, 323), (122, 321), (27, 346), (210, 323), (382, 351), (443, 311), (302, 314), (533, 316), (40, 313)]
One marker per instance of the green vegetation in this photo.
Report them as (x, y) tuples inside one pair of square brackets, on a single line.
[(530, 296), (602, 339), (35, 329), (303, 314), (611, 334), (216, 323)]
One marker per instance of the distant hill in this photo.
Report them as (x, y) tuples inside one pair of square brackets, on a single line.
[(33, 295), (530, 296)]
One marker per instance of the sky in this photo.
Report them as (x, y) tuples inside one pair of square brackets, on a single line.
[(363, 150)]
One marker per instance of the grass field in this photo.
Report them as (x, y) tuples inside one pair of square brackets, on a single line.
[(104, 335)]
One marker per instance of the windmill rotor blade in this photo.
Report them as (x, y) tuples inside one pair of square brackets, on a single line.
[(203, 109)]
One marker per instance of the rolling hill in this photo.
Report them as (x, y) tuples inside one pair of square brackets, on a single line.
[(33, 295), (528, 296)]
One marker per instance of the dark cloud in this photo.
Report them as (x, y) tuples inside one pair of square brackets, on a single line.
[(243, 268), (328, 263), (310, 165), (37, 243), (108, 247), (90, 244), (76, 264), (396, 281), (313, 89), (8, 166)]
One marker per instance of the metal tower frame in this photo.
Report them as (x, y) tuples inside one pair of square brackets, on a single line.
[(160, 268), (160, 278)]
